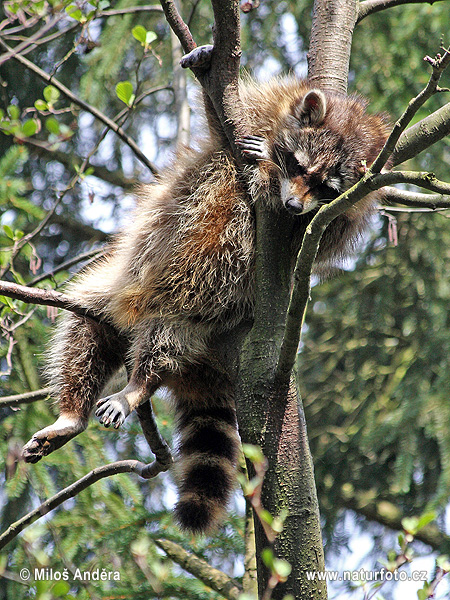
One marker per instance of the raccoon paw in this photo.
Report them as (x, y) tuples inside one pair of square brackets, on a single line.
[(254, 146), (198, 57), (51, 438), (113, 410)]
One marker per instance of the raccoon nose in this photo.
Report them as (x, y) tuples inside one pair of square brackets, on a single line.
[(294, 205)]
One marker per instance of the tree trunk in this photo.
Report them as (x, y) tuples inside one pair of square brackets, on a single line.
[(331, 42), (270, 415)]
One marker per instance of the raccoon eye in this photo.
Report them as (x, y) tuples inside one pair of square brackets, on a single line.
[(327, 192), (293, 167)]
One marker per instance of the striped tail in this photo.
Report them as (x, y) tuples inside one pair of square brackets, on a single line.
[(206, 464)]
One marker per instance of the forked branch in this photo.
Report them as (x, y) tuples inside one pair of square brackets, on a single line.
[(439, 64), (122, 466), (372, 181)]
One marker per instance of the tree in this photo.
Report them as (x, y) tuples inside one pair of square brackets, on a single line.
[(269, 408)]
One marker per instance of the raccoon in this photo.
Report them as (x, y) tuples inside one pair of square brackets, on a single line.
[(181, 275)]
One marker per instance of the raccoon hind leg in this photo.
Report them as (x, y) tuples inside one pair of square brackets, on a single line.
[(84, 355)]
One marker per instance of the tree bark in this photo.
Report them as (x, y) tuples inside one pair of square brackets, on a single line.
[(331, 41), (270, 415)]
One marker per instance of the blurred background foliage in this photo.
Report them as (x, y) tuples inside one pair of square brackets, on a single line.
[(373, 365)]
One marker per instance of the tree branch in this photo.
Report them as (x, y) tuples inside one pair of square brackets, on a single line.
[(26, 398), (129, 10), (422, 135), (32, 40), (213, 578), (369, 7), (122, 466), (178, 26), (421, 179), (158, 445), (438, 64), (305, 260), (45, 298), (416, 199), (85, 106)]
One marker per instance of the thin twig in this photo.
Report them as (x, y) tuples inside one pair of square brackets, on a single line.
[(369, 7), (158, 445), (31, 40), (97, 253), (438, 64), (70, 160), (85, 106), (129, 10), (424, 180), (25, 398)]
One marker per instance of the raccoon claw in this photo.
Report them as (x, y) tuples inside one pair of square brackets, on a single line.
[(112, 411), (198, 57), (51, 438), (254, 146)]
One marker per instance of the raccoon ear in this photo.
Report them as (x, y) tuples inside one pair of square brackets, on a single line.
[(311, 109)]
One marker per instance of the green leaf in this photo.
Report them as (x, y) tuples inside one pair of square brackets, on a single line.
[(150, 37), (265, 516), (7, 301), (423, 593), (268, 558), (253, 453), (410, 524), (124, 91), (52, 125), (60, 589), (51, 94), (425, 519), (29, 127), (139, 33), (74, 12), (41, 105), (9, 232), (13, 112), (443, 562), (282, 568)]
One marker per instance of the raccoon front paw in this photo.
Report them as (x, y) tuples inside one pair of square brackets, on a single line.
[(198, 57), (254, 146), (112, 410), (51, 438)]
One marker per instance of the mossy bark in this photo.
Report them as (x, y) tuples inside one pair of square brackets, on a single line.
[(270, 415)]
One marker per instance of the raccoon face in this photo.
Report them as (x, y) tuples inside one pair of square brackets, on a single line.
[(307, 182), (316, 164)]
